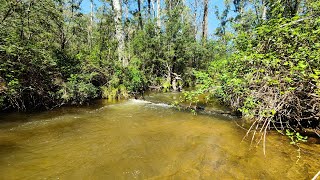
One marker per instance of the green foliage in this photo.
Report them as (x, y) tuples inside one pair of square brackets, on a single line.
[(51, 53), (193, 112), (269, 71), (135, 79), (166, 86), (2, 98), (78, 89), (109, 92), (295, 137), (248, 107)]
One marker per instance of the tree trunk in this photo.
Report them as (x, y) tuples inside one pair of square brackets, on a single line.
[(126, 12), (195, 19), (264, 11), (139, 14), (90, 29), (149, 8), (205, 21), (119, 31), (153, 9), (159, 14), (61, 27), (174, 84), (168, 73)]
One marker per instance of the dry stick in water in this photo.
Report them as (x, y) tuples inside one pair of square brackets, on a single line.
[(249, 130), (316, 176)]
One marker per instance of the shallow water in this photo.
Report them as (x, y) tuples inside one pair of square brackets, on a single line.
[(138, 139)]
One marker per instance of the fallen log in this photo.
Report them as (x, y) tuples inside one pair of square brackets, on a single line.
[(158, 88)]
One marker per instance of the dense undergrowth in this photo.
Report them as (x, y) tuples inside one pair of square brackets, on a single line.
[(272, 77), (51, 54)]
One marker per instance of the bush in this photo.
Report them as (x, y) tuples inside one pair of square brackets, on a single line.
[(273, 79), (78, 90)]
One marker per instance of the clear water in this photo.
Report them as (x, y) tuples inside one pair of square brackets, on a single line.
[(137, 139)]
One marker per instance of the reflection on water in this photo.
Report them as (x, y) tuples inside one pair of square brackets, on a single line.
[(140, 140)]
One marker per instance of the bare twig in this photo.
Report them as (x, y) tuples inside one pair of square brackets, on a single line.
[(316, 176), (296, 21)]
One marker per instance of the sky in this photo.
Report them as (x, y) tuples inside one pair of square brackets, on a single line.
[(213, 22)]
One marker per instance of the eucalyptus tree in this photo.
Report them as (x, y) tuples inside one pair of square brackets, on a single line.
[(159, 14), (140, 14), (90, 27), (205, 21), (117, 8)]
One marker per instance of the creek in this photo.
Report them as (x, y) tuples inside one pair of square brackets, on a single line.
[(142, 139)]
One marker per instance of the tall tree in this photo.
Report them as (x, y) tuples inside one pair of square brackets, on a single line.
[(205, 21), (149, 8), (195, 16), (116, 4), (139, 14), (159, 13), (264, 11), (153, 8), (90, 28)]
